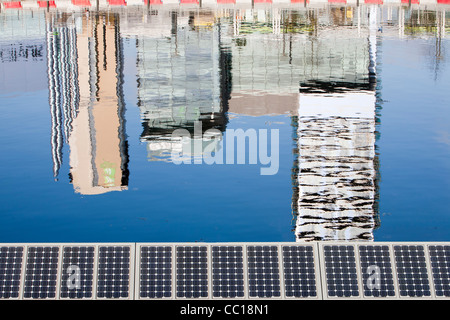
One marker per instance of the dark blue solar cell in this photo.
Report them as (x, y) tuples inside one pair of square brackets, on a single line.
[(340, 271), (227, 271), (40, 274), (299, 272), (155, 272), (263, 271), (77, 272), (113, 280), (10, 271), (412, 274), (440, 264), (192, 272), (376, 270)]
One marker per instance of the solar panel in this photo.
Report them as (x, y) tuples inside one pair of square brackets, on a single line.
[(11, 259), (340, 271), (299, 270), (114, 272), (412, 273), (192, 271), (377, 271), (327, 270), (440, 267), (77, 277), (155, 273), (41, 272), (263, 272), (227, 272)]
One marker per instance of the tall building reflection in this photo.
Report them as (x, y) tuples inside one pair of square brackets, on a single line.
[(336, 177), (86, 100)]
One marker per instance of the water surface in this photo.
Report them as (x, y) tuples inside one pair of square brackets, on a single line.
[(359, 96)]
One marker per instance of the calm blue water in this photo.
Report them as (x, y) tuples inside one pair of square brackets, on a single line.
[(414, 145), (189, 65)]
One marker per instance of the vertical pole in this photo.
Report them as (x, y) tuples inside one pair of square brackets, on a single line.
[(358, 11)]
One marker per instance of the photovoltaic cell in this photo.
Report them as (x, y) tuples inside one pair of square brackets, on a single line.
[(440, 266), (192, 272), (263, 271), (155, 272), (77, 272), (412, 272), (340, 271), (10, 271), (113, 272), (376, 270), (41, 273), (299, 272), (227, 272)]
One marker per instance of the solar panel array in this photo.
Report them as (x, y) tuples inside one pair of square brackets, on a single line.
[(310, 270)]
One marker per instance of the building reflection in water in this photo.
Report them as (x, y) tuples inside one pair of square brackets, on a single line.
[(333, 112), (183, 71), (182, 78), (86, 100), (337, 165), (319, 67)]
